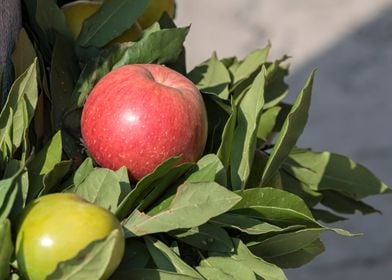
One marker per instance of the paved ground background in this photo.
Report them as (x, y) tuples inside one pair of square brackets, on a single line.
[(350, 43)]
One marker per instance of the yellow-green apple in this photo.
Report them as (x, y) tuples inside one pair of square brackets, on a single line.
[(140, 115), (55, 227)]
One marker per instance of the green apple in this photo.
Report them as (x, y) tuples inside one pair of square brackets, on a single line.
[(55, 227)]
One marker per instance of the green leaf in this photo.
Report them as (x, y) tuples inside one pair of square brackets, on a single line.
[(345, 204), (244, 142), (15, 276), (291, 249), (53, 179), (211, 273), (193, 205), (73, 148), (43, 163), (110, 21), (236, 269), (212, 76), (159, 47), (208, 237), (267, 123), (21, 186), (291, 130), (101, 187), (136, 255), (24, 53), (271, 122), (286, 243), (291, 184), (20, 122), (64, 73), (166, 259), (300, 257), (209, 169), (231, 63), (6, 250), (179, 64), (275, 87), (11, 193), (218, 111), (123, 179), (19, 108), (5, 135), (276, 206), (260, 159), (41, 40), (50, 19), (144, 187), (153, 274), (25, 87), (163, 203), (327, 216), (252, 63), (82, 172), (91, 262), (225, 148), (244, 224), (164, 184), (259, 266), (328, 171), (273, 197)]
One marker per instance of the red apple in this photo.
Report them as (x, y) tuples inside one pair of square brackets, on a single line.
[(140, 115)]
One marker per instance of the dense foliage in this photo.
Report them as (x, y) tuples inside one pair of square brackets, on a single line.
[(254, 204)]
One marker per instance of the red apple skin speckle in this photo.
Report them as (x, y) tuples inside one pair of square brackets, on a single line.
[(140, 115)]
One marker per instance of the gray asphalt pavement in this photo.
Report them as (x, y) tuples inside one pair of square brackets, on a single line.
[(350, 43)]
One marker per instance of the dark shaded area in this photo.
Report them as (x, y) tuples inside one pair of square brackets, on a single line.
[(10, 24)]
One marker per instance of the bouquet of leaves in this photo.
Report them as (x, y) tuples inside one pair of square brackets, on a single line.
[(253, 205)]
